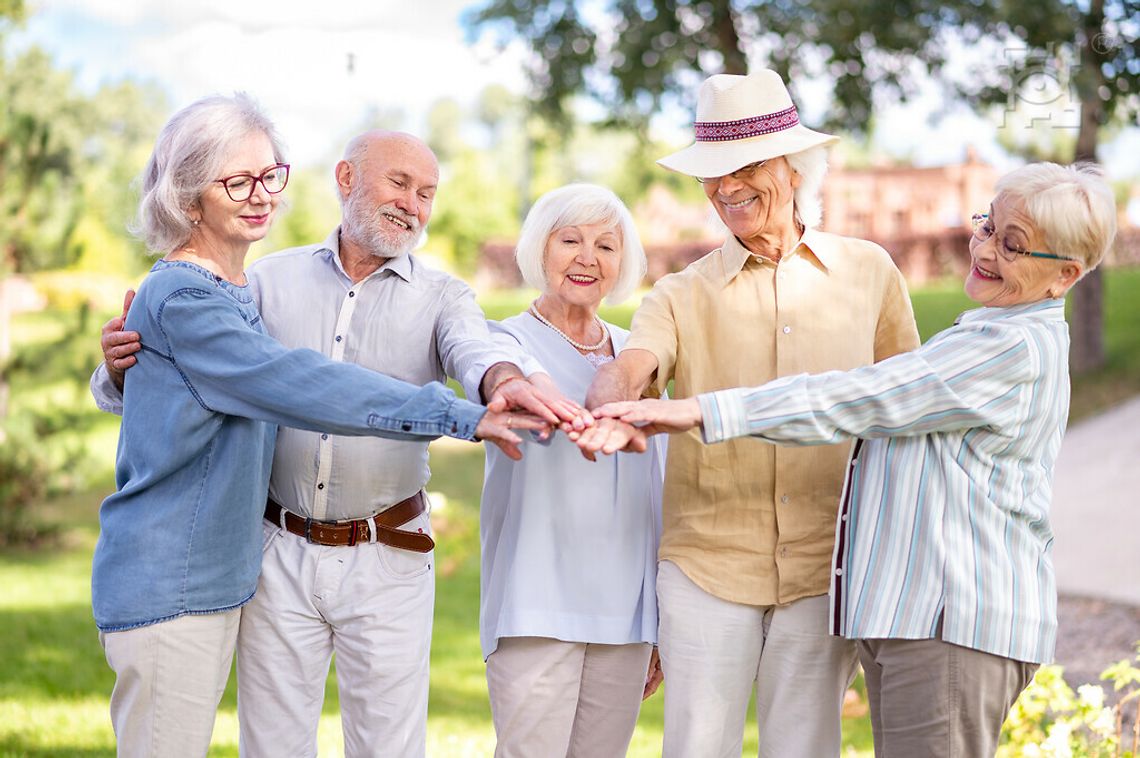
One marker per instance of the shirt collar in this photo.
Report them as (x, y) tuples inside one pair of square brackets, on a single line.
[(1050, 309), (820, 246), (401, 265)]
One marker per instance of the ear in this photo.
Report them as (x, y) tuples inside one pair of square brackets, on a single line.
[(345, 175), (1069, 274)]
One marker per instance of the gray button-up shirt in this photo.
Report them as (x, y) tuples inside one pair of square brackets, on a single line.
[(405, 320)]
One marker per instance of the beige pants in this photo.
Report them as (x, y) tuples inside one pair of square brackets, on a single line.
[(932, 698), (169, 678), (551, 698), (713, 652)]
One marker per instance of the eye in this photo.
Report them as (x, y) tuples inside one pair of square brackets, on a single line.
[(426, 197), (239, 182), (1010, 248), (396, 182)]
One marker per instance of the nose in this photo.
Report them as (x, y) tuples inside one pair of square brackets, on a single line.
[(260, 195), (408, 202), (728, 184)]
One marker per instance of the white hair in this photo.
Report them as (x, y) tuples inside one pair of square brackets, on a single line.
[(190, 152), (811, 165), (1072, 206), (576, 205)]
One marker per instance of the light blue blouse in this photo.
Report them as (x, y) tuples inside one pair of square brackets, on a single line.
[(569, 547)]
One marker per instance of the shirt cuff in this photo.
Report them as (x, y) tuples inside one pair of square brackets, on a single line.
[(462, 418), (723, 415), (106, 394)]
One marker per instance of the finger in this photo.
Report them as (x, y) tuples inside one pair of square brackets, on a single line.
[(508, 445), (128, 298), (615, 409), (527, 401), (122, 364)]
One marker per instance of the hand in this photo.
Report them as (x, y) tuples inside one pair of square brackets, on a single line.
[(654, 676), (119, 347), (655, 416), (541, 399), (495, 427), (609, 436)]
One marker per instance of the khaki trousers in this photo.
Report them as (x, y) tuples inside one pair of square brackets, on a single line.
[(169, 678), (551, 698), (933, 699), (714, 651)]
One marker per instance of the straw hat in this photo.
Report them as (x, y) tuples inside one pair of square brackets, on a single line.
[(741, 120)]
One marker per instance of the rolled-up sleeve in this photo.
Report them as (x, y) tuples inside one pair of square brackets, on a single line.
[(654, 328), (107, 396)]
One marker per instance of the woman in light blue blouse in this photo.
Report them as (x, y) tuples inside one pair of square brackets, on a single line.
[(180, 540), (568, 611), (943, 568)]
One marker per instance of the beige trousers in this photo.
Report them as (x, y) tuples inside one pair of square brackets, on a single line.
[(714, 651), (551, 698), (169, 678), (932, 698)]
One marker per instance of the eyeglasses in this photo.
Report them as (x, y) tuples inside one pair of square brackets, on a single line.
[(984, 229), (741, 174), (240, 186)]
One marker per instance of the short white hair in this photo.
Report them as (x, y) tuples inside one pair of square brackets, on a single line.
[(811, 165), (190, 152), (1073, 207), (577, 205)]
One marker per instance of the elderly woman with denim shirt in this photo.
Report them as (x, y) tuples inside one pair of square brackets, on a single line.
[(943, 561), (179, 547)]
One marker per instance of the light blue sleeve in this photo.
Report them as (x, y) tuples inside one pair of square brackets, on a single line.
[(231, 368), (965, 377)]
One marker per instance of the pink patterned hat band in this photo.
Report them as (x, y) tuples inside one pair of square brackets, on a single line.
[(725, 131)]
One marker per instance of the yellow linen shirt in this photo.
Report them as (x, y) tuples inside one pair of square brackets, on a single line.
[(748, 521)]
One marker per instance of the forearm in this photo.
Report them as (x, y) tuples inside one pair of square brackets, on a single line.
[(496, 375), (625, 378)]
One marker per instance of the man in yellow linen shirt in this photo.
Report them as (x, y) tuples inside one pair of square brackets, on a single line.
[(749, 527)]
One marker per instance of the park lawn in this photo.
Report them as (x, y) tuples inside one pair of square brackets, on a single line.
[(54, 682)]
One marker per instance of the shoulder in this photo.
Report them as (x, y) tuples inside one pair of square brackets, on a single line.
[(429, 277), (860, 251), (169, 279), (293, 258)]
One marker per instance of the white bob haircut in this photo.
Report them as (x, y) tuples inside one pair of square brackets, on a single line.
[(811, 165), (1072, 206), (188, 156), (576, 205)]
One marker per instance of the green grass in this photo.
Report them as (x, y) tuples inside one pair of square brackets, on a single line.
[(54, 682)]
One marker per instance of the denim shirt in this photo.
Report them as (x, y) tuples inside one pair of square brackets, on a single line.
[(201, 408)]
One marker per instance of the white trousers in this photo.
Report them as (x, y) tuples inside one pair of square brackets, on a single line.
[(371, 605), (169, 678), (714, 651), (552, 698)]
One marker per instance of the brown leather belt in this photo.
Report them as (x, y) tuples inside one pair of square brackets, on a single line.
[(347, 533)]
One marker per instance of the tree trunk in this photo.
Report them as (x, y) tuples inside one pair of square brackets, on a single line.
[(5, 349), (1087, 328), (724, 27)]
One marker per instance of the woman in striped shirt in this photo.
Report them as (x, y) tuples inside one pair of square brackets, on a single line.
[(943, 559)]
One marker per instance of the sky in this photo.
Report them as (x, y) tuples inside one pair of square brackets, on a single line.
[(319, 67)]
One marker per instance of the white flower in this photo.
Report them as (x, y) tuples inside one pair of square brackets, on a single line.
[(1104, 724), (1057, 744), (1091, 695)]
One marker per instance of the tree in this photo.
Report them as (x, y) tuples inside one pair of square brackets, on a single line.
[(635, 56)]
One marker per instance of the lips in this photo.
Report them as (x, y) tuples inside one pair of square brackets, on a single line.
[(257, 219), (582, 279), (739, 204), (982, 273), (397, 221)]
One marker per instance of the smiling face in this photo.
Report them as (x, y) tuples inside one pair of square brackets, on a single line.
[(750, 205), (582, 263), (388, 194), (227, 225), (994, 281)]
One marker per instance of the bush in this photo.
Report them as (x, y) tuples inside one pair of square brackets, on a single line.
[(24, 477), (1050, 720)]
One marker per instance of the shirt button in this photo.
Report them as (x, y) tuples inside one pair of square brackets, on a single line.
[(783, 552), (843, 517), (787, 330), (351, 293), (338, 338), (321, 485), (839, 572), (324, 436), (783, 498), (406, 427)]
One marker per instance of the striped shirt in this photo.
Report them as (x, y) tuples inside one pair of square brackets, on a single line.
[(946, 505)]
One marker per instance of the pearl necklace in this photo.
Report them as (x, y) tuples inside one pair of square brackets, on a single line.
[(584, 348)]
